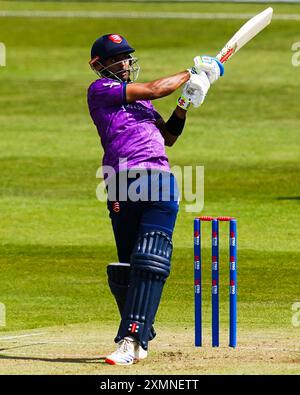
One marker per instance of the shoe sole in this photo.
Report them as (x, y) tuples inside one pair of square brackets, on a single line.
[(112, 362)]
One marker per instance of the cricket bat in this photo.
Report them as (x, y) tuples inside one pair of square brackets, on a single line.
[(249, 30)]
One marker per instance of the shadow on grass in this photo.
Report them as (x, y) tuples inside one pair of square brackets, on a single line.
[(100, 359), (24, 345), (94, 360)]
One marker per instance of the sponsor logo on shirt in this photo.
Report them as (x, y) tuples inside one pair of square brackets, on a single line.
[(111, 84), (139, 107)]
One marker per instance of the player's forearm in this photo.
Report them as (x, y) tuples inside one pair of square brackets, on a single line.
[(156, 89), (166, 86)]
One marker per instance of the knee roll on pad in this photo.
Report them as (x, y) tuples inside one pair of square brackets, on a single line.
[(150, 267), (152, 253)]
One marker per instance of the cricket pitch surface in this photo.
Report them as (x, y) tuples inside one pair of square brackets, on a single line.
[(80, 349)]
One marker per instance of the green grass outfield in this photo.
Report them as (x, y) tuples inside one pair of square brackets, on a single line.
[(55, 236)]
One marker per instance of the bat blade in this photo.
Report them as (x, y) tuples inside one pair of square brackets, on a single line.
[(249, 30)]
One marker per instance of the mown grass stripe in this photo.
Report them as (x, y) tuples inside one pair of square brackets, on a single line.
[(138, 15)]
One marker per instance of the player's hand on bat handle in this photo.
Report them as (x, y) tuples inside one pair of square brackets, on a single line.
[(194, 91), (211, 66)]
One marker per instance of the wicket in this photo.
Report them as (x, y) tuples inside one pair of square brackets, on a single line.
[(215, 279)]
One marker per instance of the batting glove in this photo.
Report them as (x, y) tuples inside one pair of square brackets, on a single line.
[(211, 66), (194, 91)]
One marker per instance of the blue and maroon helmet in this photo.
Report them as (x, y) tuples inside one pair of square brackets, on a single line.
[(108, 46)]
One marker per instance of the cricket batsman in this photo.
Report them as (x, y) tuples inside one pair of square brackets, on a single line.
[(133, 136)]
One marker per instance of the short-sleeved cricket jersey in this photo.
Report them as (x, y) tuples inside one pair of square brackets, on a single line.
[(127, 130)]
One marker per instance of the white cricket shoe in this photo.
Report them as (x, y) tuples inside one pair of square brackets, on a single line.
[(129, 351)]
